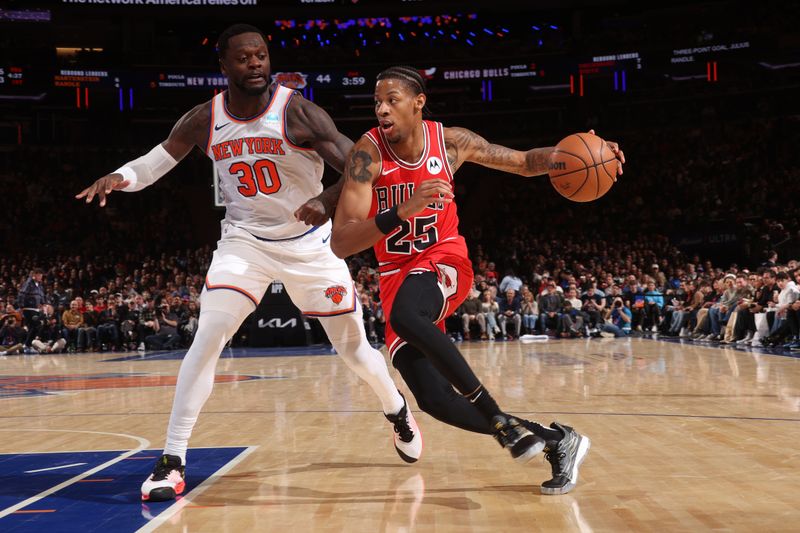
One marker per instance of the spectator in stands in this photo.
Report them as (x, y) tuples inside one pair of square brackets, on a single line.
[(722, 310), (187, 323), (30, 299), (550, 305), (87, 332), (530, 312), (166, 330), (653, 304), (570, 322), (368, 316), (470, 311), (510, 281), (593, 305), (510, 310), (620, 319), (147, 323), (12, 336), (789, 295), (50, 338), (490, 309), (491, 274), (12, 311), (108, 329), (71, 320)]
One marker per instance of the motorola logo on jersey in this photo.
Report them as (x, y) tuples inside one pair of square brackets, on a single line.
[(434, 165)]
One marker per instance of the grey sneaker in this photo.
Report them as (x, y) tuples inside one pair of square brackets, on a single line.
[(521, 443), (565, 458)]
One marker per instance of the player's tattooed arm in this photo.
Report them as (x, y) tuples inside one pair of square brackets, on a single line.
[(353, 229), (359, 167), (308, 125), (465, 145)]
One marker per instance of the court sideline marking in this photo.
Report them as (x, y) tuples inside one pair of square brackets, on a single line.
[(143, 444), (173, 509)]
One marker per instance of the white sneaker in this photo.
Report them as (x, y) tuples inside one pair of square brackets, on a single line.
[(654, 329), (166, 481), (684, 333), (747, 340), (141, 347), (407, 437)]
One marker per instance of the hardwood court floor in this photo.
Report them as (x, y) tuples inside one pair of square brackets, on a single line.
[(684, 438)]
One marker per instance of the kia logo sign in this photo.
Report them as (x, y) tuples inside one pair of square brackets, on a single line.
[(277, 323)]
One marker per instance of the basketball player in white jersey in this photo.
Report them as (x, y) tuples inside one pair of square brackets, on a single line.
[(268, 145)]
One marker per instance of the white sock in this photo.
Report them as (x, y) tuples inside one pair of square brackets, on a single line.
[(196, 377), (346, 333)]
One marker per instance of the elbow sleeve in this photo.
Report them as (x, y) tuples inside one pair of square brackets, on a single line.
[(147, 169)]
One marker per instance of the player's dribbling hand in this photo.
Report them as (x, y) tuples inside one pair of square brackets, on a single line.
[(102, 188), (614, 147), (429, 191), (312, 213)]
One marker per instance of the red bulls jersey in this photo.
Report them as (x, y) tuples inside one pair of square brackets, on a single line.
[(432, 229)]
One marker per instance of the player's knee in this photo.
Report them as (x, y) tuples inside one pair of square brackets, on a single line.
[(405, 322)]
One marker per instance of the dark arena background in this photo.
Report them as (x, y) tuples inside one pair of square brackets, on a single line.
[(662, 319)]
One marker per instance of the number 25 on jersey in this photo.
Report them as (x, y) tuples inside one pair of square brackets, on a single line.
[(261, 177)]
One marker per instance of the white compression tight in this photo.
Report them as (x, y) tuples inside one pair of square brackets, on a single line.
[(346, 333), (196, 376), (222, 313)]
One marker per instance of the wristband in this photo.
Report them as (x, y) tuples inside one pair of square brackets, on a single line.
[(388, 220)]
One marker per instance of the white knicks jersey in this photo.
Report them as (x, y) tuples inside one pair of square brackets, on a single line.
[(263, 176)]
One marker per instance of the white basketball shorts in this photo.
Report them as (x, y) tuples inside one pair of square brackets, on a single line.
[(317, 281)]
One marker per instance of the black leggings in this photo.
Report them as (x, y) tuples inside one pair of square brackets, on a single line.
[(416, 306), (431, 365)]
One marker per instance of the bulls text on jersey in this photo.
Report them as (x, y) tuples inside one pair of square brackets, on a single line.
[(396, 193)]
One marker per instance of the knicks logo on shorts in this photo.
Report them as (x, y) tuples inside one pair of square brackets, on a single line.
[(335, 293)]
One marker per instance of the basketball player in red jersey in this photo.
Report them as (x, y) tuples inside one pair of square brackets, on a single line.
[(269, 146), (398, 196)]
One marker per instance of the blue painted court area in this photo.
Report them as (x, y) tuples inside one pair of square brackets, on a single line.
[(108, 500)]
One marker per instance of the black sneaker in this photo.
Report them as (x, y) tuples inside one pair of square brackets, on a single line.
[(406, 434), (521, 443), (166, 481), (565, 456)]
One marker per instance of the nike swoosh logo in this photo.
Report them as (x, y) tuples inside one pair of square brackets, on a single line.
[(384, 172), (217, 128), (326, 238)]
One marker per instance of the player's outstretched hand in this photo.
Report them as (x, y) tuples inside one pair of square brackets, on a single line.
[(429, 191), (312, 213), (614, 147), (102, 188)]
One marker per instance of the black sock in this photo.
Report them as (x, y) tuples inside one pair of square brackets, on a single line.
[(416, 307), (484, 402), (435, 395)]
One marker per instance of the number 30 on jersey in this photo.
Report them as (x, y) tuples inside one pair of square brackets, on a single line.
[(260, 177)]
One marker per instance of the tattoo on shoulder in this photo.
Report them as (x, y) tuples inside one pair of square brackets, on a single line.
[(359, 169), (462, 137), (452, 155)]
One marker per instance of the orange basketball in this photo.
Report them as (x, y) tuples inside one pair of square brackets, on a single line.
[(582, 168)]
